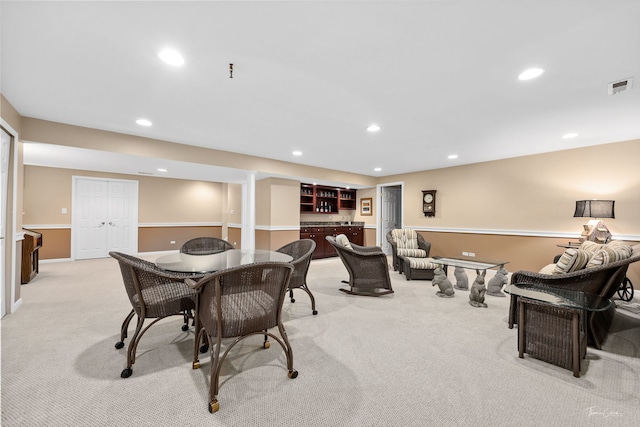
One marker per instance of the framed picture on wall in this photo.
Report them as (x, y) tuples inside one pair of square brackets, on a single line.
[(365, 206)]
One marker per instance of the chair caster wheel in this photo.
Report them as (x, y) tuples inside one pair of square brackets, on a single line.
[(126, 372), (293, 374), (119, 345), (195, 365), (214, 406), (315, 312), (204, 348), (293, 300), (266, 344)]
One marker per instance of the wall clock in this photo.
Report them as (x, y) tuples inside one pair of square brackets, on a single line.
[(429, 202)]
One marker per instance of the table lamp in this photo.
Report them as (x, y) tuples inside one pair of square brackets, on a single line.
[(595, 230)]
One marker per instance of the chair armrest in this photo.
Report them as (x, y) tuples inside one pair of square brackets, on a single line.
[(365, 250), (423, 244)]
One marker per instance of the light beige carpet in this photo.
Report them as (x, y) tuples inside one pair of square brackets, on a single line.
[(409, 359)]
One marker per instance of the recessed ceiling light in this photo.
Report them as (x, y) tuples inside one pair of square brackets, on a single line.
[(569, 135), (162, 170), (373, 128), (531, 73), (377, 169), (171, 57), (452, 156), (297, 153), (143, 122)]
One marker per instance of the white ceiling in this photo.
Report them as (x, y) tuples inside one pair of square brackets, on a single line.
[(439, 77)]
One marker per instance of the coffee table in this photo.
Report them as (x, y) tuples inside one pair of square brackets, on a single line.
[(480, 265), (552, 323)]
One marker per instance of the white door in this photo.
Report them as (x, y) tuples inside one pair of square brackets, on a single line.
[(104, 217), (390, 218), (122, 217)]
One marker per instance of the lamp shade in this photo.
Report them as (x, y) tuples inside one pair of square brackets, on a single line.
[(594, 209)]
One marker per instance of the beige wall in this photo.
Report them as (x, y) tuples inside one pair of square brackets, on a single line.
[(364, 194), (152, 239), (161, 200), (277, 206), (168, 210), (533, 193)]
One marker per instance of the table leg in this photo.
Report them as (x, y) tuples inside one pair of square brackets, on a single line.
[(462, 280), (494, 287), (478, 290), (520, 329), (575, 343)]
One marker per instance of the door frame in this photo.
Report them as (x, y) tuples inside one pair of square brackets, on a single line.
[(10, 303), (74, 207), (379, 228)]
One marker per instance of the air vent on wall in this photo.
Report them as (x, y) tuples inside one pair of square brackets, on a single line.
[(619, 86)]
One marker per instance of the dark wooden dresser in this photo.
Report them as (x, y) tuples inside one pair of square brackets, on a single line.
[(32, 242)]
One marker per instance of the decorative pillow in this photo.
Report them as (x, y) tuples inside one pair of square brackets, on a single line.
[(342, 240), (547, 269), (571, 260), (608, 254), (406, 238), (622, 248), (412, 253), (590, 246)]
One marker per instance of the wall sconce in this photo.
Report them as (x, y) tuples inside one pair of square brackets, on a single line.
[(595, 230)]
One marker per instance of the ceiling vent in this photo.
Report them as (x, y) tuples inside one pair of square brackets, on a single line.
[(619, 86)]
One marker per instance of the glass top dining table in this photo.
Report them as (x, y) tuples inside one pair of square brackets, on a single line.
[(185, 263)]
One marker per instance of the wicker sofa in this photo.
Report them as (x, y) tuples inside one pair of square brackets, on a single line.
[(603, 279)]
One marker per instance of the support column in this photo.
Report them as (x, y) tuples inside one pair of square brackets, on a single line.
[(249, 212)]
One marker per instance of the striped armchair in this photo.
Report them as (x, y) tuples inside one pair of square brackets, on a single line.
[(411, 254), (406, 242)]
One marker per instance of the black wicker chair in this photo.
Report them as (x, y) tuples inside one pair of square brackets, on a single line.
[(367, 266), (205, 246), (236, 303), (154, 294), (604, 281), (301, 251)]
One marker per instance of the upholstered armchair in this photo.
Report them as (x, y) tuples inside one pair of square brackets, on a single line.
[(407, 242), (411, 254)]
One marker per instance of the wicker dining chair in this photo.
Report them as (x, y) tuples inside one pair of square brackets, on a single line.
[(154, 294), (205, 246), (301, 251), (367, 266), (237, 303)]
